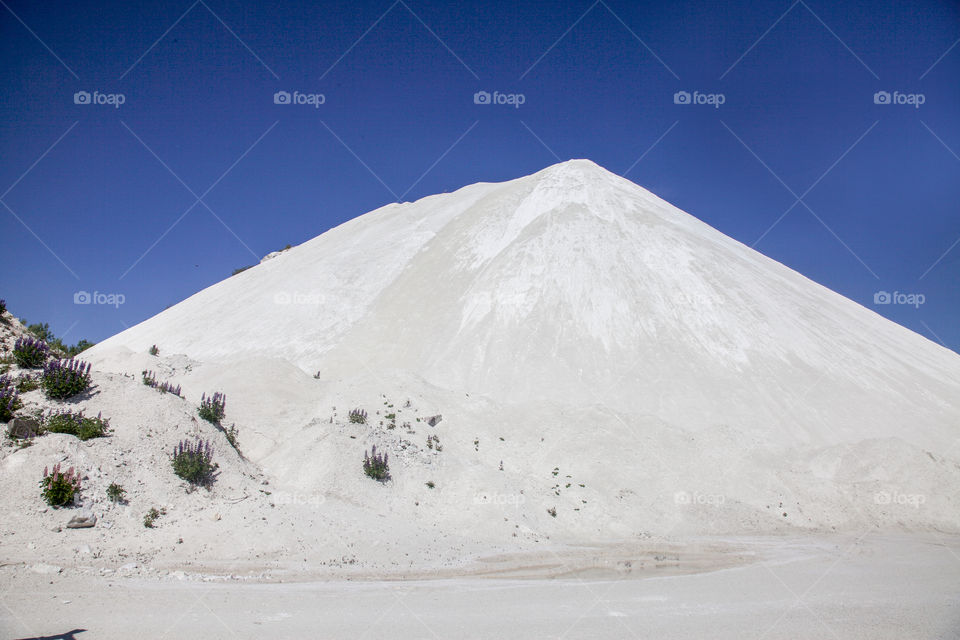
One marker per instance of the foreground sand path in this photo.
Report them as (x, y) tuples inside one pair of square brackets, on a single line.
[(872, 587)]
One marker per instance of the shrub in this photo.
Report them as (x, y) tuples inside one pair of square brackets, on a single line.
[(30, 353), (152, 516), (154, 351), (194, 462), (231, 435), (65, 378), (150, 380), (212, 409), (358, 416), (76, 424), (552, 511), (116, 493), (58, 488), (27, 383), (375, 465), (3, 306), (430, 484), (9, 399)]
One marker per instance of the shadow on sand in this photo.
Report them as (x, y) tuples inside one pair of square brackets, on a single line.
[(67, 635)]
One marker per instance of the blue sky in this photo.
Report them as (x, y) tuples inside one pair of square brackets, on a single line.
[(198, 171)]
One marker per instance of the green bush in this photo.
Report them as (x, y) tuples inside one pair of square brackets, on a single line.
[(375, 465), (59, 489), (151, 518), (27, 383), (76, 424), (212, 409), (9, 399), (116, 493), (65, 378), (30, 353), (194, 462)]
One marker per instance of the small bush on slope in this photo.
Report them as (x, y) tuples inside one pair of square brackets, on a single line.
[(115, 493), (9, 399), (375, 465), (65, 378), (30, 353), (59, 489), (358, 416), (212, 409), (76, 424), (194, 462)]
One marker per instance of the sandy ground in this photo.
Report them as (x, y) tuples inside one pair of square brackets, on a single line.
[(872, 586)]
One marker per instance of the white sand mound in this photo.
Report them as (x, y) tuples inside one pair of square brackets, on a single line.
[(595, 353)]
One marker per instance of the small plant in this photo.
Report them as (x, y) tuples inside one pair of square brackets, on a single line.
[(193, 462), (154, 351), (430, 484), (358, 416), (433, 442), (9, 399), (30, 353), (212, 409), (152, 516), (375, 465), (231, 433), (76, 424), (3, 306), (116, 493), (552, 511), (65, 378), (391, 416), (59, 489), (27, 383), (150, 380)]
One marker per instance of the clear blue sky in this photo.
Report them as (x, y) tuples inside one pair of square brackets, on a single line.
[(88, 191)]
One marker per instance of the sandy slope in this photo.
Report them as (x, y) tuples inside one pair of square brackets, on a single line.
[(571, 321), (616, 381)]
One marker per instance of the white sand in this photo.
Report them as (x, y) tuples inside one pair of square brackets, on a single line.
[(875, 587), (595, 354)]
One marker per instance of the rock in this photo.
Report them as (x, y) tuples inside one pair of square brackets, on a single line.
[(56, 529), (23, 427), (130, 566), (46, 569), (82, 520), (434, 420), (214, 516), (84, 548)]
